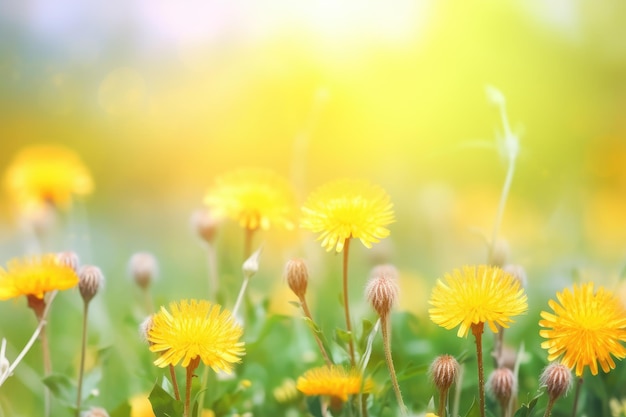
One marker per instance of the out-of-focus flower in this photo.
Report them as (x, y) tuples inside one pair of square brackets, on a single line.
[(585, 328), (45, 174), (472, 295), (196, 329), (256, 198), (140, 406), (348, 208), (334, 381), (618, 407), (35, 276)]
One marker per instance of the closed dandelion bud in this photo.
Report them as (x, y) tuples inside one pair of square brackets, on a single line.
[(143, 268), (90, 280), (557, 378), (70, 259), (502, 385), (144, 329), (95, 412), (444, 371), (205, 224), (251, 265), (518, 272), (382, 289), (297, 275)]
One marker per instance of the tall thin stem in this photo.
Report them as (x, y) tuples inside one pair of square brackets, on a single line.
[(83, 349), (346, 305), (174, 382), (39, 307), (242, 291), (477, 330), (307, 313), (190, 369), (212, 271), (548, 411), (392, 372), (577, 396), (443, 398)]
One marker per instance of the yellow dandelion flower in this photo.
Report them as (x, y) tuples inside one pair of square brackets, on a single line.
[(35, 276), (140, 406), (348, 208), (47, 174), (196, 329), (472, 295), (334, 381), (256, 198), (585, 328)]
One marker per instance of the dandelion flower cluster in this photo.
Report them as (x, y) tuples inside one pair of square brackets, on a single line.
[(196, 329), (472, 295), (256, 198), (47, 174), (35, 276), (348, 208), (585, 328), (334, 381)]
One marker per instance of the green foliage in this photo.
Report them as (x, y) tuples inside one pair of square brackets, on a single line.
[(163, 404)]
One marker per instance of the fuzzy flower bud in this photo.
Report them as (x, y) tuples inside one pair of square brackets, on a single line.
[(502, 385), (251, 265), (143, 268), (90, 280), (444, 371), (297, 275), (382, 289), (70, 259), (144, 329), (557, 378), (205, 224)]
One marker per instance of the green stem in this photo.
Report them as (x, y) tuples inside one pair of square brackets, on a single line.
[(392, 372), (307, 313), (83, 350), (346, 305), (477, 330), (577, 396)]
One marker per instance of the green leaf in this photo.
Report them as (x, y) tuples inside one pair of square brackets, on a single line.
[(526, 409), (343, 335), (122, 411), (411, 371), (474, 410), (314, 405), (163, 404), (62, 387)]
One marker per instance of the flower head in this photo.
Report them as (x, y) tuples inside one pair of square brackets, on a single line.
[(382, 288), (444, 371), (196, 329), (256, 198), (472, 295), (557, 378), (35, 276), (348, 208), (47, 174), (585, 328), (334, 381)]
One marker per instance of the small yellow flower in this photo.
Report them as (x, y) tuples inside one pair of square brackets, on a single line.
[(196, 329), (47, 174), (256, 198), (348, 208), (585, 328), (140, 406), (35, 276), (334, 381), (480, 294)]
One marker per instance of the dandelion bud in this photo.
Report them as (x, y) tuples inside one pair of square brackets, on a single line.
[(90, 280), (502, 385), (382, 289), (251, 265), (205, 224), (499, 253), (95, 412), (444, 371), (297, 275), (144, 329), (557, 378), (518, 272), (143, 268), (69, 259)]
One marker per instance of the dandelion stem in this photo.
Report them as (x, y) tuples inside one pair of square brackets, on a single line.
[(39, 307), (212, 268), (346, 305), (190, 369), (477, 330), (174, 382), (443, 397), (83, 349), (242, 291), (577, 396), (307, 313), (392, 372)]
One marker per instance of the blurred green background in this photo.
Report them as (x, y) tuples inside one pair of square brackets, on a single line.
[(158, 97)]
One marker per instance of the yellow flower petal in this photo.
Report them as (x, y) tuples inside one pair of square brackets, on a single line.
[(335, 381)]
